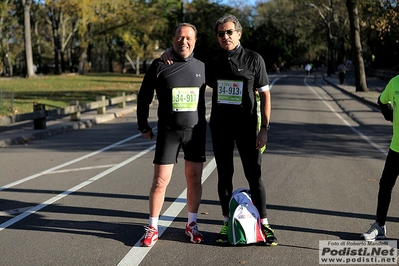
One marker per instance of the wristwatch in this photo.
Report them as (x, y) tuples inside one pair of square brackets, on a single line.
[(267, 127), (145, 130)]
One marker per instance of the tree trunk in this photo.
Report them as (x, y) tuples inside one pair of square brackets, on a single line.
[(138, 65), (1, 34), (360, 74), (88, 56), (38, 49), (82, 62), (55, 26), (63, 63), (130, 60), (28, 41), (110, 66), (10, 70)]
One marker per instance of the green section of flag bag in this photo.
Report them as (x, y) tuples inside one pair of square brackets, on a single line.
[(244, 225)]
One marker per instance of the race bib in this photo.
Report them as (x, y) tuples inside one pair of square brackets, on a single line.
[(230, 91), (185, 99)]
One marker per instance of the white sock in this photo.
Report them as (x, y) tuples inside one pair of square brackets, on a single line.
[(226, 219), (264, 221), (154, 222), (192, 217)]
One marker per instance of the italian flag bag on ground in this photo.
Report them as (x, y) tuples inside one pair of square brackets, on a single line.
[(244, 225)]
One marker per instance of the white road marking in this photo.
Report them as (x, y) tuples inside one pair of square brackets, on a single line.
[(137, 144), (372, 143), (67, 163), (73, 189), (276, 79), (80, 169), (137, 253)]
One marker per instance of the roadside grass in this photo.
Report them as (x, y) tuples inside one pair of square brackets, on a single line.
[(58, 91)]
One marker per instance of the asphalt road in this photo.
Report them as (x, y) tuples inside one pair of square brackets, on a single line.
[(81, 198)]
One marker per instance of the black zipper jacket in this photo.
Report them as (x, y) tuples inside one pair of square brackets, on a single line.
[(162, 78)]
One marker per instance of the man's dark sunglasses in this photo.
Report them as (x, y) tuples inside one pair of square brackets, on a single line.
[(221, 34)]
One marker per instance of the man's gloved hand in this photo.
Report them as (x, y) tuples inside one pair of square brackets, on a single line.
[(386, 110)]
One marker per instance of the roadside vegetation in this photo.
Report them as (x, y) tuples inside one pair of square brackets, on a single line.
[(58, 91)]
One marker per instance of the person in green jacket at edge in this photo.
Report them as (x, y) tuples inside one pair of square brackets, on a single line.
[(388, 101)]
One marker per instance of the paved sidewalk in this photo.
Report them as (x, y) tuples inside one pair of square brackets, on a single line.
[(23, 132), (375, 87)]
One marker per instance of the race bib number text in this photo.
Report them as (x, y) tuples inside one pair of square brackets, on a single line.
[(230, 91), (185, 99)]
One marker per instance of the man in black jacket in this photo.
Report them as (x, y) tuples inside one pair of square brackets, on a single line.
[(236, 75), (180, 91)]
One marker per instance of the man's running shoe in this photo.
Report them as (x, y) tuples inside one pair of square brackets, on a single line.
[(193, 233), (150, 237), (222, 236), (375, 232), (271, 240)]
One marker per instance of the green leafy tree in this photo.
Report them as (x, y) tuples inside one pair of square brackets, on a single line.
[(5, 24), (380, 24), (203, 14), (276, 37)]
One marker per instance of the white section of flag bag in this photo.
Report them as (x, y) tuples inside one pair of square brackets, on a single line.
[(244, 225)]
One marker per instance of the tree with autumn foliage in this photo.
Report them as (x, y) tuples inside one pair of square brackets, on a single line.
[(119, 35)]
